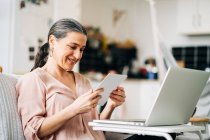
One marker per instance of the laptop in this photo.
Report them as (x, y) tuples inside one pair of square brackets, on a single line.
[(176, 100)]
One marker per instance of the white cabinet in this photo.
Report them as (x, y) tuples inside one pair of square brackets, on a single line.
[(194, 17)]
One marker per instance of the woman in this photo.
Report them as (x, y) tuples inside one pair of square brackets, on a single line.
[(53, 101)]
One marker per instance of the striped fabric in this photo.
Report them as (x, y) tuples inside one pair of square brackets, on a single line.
[(10, 124)]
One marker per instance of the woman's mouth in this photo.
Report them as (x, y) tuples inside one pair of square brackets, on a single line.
[(71, 61)]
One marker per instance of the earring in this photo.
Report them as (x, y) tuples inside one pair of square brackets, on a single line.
[(51, 52)]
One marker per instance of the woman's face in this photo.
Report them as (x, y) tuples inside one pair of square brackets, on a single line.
[(69, 50)]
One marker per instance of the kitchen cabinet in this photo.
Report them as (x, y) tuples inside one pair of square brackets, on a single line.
[(194, 57), (194, 17)]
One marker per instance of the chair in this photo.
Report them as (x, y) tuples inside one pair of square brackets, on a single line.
[(10, 123), (201, 116), (202, 113)]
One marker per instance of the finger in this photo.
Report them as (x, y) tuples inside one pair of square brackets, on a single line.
[(93, 105), (91, 91), (94, 102), (98, 97), (120, 88), (119, 93), (118, 98), (99, 89), (95, 93)]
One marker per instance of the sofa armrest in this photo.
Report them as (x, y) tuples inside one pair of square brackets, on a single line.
[(198, 121)]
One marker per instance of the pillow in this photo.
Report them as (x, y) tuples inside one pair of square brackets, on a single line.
[(203, 106), (10, 123)]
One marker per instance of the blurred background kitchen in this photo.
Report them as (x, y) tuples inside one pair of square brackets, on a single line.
[(121, 38)]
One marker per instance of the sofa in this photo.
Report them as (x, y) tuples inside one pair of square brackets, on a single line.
[(10, 123)]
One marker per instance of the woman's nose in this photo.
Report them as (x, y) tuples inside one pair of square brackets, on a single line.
[(77, 54)]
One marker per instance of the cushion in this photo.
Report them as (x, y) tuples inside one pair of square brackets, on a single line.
[(10, 123), (203, 106)]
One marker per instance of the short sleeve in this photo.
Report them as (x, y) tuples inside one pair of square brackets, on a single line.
[(31, 104)]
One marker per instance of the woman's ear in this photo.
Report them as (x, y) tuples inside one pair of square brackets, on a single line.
[(51, 41)]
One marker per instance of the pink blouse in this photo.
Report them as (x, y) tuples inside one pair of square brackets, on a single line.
[(40, 95)]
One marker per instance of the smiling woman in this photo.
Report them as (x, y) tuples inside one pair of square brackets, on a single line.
[(59, 103), (68, 51), (60, 38)]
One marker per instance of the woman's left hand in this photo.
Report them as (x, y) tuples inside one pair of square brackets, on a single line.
[(117, 97)]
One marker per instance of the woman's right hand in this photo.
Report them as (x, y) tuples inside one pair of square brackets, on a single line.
[(82, 104), (87, 101)]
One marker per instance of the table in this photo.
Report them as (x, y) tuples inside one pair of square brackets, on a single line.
[(153, 131)]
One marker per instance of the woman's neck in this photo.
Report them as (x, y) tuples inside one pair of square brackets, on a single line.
[(65, 77), (54, 69)]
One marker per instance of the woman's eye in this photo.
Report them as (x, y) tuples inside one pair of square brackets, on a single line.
[(81, 50), (76, 47), (73, 47)]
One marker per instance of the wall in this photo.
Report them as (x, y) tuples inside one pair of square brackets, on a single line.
[(136, 24), (22, 28), (168, 24), (67, 9), (7, 19), (32, 23)]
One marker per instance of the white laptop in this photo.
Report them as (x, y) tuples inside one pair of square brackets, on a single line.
[(176, 100)]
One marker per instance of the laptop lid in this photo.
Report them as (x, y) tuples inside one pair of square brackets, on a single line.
[(177, 97)]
